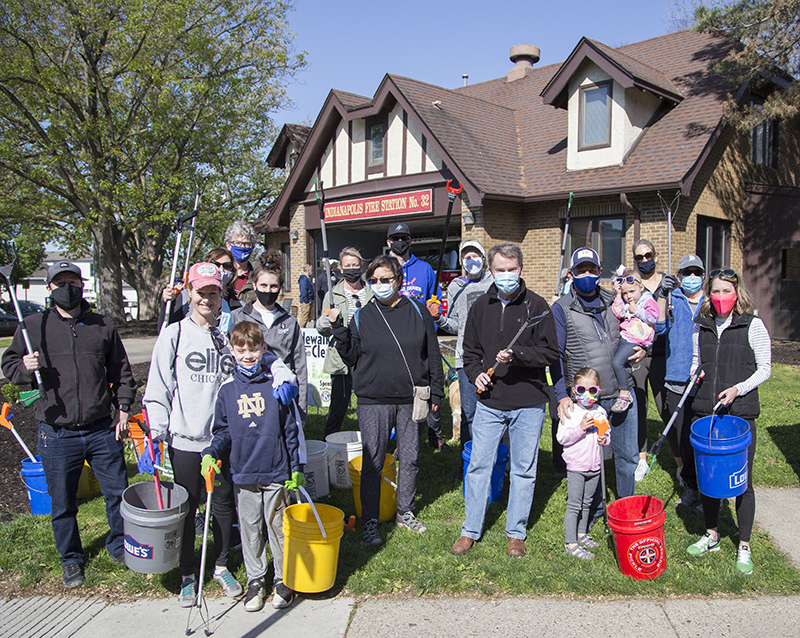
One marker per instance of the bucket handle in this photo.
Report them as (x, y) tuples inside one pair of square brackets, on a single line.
[(640, 523), (390, 482), (28, 487), (313, 510)]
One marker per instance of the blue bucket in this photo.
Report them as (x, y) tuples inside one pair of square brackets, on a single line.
[(35, 481), (498, 471), (720, 455)]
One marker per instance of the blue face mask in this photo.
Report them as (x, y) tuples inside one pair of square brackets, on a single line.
[(506, 282), (473, 266), (382, 291), (647, 267), (586, 283), (692, 283), (240, 254), (248, 372)]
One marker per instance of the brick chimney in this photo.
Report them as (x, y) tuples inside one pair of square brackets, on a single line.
[(524, 56)]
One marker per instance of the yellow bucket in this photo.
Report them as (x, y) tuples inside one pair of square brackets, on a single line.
[(88, 485), (388, 504), (309, 560)]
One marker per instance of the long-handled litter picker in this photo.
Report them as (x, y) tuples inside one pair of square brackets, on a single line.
[(144, 424), (452, 191), (532, 321), (564, 240), (5, 421), (326, 261), (210, 476), (695, 380), (29, 396), (184, 222), (669, 214)]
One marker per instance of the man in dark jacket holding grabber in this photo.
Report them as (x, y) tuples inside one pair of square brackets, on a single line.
[(86, 378), (513, 398)]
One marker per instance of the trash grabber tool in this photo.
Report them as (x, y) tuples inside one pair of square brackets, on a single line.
[(452, 191), (191, 239), (209, 476), (602, 428), (532, 321), (181, 224), (669, 214), (29, 396), (326, 262), (564, 245), (144, 424), (695, 380), (5, 421)]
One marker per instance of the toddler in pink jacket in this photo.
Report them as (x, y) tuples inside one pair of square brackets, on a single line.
[(583, 455)]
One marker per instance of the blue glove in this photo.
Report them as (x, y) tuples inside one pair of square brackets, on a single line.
[(145, 464), (285, 392)]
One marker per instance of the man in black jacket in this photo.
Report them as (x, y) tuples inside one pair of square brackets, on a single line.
[(86, 378), (513, 398)]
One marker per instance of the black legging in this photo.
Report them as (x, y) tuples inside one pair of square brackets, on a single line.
[(745, 504), (186, 467), (341, 388)]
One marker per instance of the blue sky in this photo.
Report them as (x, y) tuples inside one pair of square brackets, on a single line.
[(352, 44)]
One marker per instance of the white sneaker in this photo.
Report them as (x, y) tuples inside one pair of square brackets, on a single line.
[(641, 470), (282, 597)]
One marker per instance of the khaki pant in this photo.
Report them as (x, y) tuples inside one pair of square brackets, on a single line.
[(304, 314)]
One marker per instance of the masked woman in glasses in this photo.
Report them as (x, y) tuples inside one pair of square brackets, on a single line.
[(348, 295), (190, 361), (390, 345), (732, 346)]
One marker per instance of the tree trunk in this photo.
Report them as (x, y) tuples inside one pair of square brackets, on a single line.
[(108, 271), (149, 270)]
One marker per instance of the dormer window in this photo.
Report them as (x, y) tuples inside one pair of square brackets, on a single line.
[(594, 116)]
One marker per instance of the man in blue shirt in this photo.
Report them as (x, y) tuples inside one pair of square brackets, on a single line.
[(306, 296)]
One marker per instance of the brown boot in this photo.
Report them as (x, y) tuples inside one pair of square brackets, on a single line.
[(516, 547), (462, 546)]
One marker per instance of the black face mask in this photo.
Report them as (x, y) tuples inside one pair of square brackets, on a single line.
[(400, 247), (352, 275), (266, 299), (67, 297), (647, 267)]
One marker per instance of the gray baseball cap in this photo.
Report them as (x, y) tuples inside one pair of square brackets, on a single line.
[(62, 266), (471, 243), (690, 261)]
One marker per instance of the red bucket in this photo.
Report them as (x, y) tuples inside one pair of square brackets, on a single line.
[(638, 526)]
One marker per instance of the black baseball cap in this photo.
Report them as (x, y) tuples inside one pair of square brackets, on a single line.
[(62, 266), (398, 229)]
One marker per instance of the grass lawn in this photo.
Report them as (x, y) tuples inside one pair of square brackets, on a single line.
[(5, 342), (422, 564)]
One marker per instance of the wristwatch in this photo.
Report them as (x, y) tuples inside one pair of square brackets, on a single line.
[(124, 407)]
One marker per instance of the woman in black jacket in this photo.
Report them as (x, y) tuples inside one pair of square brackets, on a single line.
[(391, 347)]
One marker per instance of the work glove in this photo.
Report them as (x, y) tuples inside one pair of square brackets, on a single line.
[(298, 479), (145, 464), (669, 283), (285, 392), (208, 461)]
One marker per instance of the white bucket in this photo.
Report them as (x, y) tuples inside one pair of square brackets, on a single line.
[(316, 469), (342, 448)]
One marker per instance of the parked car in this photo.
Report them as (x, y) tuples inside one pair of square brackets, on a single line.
[(8, 324), (26, 307)]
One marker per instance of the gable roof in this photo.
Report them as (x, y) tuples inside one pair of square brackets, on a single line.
[(290, 133)]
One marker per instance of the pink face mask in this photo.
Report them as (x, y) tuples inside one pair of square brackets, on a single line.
[(723, 303)]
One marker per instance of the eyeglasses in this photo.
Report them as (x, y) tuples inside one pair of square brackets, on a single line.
[(648, 256), (400, 238), (591, 389), (241, 244), (725, 272), (686, 272), (628, 279), (384, 280), (219, 340), (226, 265)]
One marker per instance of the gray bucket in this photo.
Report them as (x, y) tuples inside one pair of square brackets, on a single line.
[(152, 536)]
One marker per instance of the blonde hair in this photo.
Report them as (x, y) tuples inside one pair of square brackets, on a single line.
[(353, 252), (744, 302), (586, 375)]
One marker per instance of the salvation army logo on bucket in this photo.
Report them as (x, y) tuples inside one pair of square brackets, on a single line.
[(136, 549)]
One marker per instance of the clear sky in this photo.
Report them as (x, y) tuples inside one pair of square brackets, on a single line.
[(352, 44)]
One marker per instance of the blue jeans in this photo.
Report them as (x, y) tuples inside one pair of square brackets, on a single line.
[(469, 402), (524, 427), (63, 453), (625, 444)]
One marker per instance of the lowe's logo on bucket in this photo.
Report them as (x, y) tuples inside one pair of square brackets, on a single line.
[(136, 549), (737, 479)]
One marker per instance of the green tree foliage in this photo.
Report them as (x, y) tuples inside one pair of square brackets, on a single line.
[(111, 111), (769, 55)]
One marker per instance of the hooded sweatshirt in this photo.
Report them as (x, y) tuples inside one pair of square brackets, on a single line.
[(419, 280), (185, 375)]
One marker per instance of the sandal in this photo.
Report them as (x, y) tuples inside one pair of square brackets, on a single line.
[(621, 404), (578, 552), (587, 542)]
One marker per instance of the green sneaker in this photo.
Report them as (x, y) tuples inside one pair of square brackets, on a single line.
[(705, 544), (744, 562)]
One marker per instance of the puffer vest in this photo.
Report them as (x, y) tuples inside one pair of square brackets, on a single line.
[(590, 342), (727, 360)]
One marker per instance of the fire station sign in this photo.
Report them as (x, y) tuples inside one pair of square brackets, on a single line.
[(392, 205)]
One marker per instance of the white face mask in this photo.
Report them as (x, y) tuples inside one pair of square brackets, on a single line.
[(473, 266), (227, 275)]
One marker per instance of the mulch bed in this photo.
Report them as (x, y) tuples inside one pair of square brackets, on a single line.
[(13, 495)]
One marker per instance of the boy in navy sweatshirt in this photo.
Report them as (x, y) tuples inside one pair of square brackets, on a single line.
[(262, 435)]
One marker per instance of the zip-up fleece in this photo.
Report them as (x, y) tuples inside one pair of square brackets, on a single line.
[(80, 358), (261, 433), (284, 338), (491, 325), (186, 372), (581, 450), (380, 376), (333, 360), (461, 294)]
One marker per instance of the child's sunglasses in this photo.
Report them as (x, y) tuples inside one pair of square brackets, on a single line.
[(591, 389), (629, 279)]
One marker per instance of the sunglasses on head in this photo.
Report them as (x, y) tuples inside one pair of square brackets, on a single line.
[(384, 280), (224, 265), (218, 339), (725, 272), (628, 279), (647, 256), (591, 389)]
